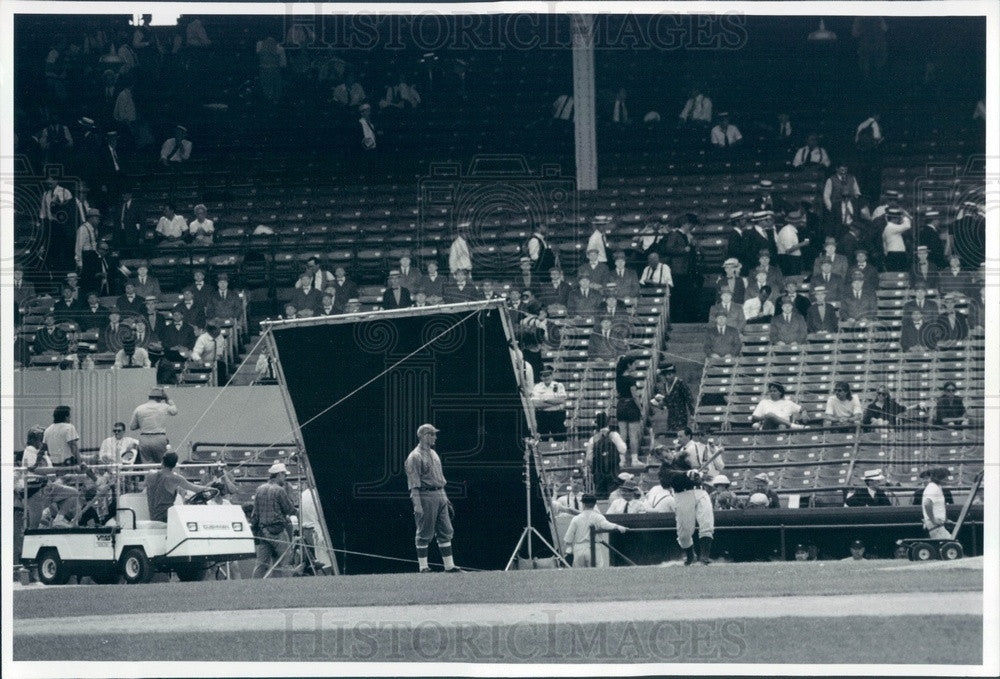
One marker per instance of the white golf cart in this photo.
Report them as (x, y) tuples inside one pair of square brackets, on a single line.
[(195, 537)]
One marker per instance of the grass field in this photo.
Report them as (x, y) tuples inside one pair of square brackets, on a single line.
[(649, 615)]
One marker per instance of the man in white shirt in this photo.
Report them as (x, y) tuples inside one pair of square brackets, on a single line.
[(812, 154), (85, 251), (114, 448), (177, 149), (896, 224), (789, 246), (577, 538), (459, 255), (725, 135), (369, 142), (549, 400), (869, 126), (933, 503), (599, 239), (210, 345), (171, 225), (629, 500), (201, 228), (839, 194), (698, 109), (656, 273)]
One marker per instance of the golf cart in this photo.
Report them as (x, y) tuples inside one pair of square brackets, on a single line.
[(195, 537)]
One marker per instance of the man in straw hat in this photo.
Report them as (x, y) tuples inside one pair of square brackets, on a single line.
[(149, 419), (431, 508), (872, 495)]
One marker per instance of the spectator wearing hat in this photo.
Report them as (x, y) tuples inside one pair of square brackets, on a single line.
[(775, 410), (677, 397), (194, 314), (918, 494), (736, 242), (954, 279), (765, 259), (680, 251), (919, 302), (171, 226), (396, 296), (596, 270), (225, 304), (822, 316), (788, 326), (460, 289), (577, 538), (109, 170), (722, 340), (872, 495), (857, 550), (932, 501), (722, 497), (842, 407), (145, 285), (858, 304), (893, 244), (548, 398), (953, 326), (201, 291), (607, 341), (110, 337), (725, 135), (177, 149), (762, 485), (584, 300), (149, 419), (201, 228), (924, 273), (605, 454), (949, 409), (732, 311), (620, 480), (92, 316), (868, 272), (789, 246), (812, 154), (760, 235), (527, 279), (933, 238), (626, 282), (840, 194), (271, 522), (918, 333), (838, 262), (629, 501), (833, 283), (731, 280)]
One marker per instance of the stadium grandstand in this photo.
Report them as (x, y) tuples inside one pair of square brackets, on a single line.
[(764, 218)]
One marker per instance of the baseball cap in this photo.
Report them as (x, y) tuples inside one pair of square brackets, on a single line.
[(427, 429), (278, 468)]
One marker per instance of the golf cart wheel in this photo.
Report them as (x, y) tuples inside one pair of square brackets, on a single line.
[(951, 551), (135, 566), (51, 569), (191, 573), (922, 551)]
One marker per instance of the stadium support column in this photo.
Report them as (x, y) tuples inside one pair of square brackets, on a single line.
[(582, 26)]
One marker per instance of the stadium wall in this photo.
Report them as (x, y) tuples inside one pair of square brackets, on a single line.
[(101, 397)]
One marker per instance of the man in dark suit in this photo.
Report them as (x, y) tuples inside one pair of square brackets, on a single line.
[(557, 291), (610, 340), (110, 171), (305, 296), (111, 335), (460, 289), (858, 304), (838, 262), (93, 316), (761, 234), (584, 300), (917, 333), (927, 308), (736, 245), (396, 296), (924, 273), (109, 275), (788, 327), (194, 315), (177, 336), (681, 252), (154, 322), (348, 289), (834, 284), (67, 308), (625, 280), (822, 316), (24, 291), (328, 305), (800, 301), (954, 279), (130, 303), (51, 339), (930, 236), (733, 312), (595, 270), (954, 326), (130, 232), (224, 304), (200, 289), (722, 339), (867, 269)]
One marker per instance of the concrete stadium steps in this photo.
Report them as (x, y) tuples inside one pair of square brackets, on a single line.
[(247, 362)]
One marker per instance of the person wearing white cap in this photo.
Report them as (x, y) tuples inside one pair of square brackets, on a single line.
[(431, 508), (762, 485), (924, 273), (872, 495), (271, 522), (722, 497), (177, 149), (149, 419)]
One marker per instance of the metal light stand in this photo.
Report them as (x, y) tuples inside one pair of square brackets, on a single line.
[(529, 529)]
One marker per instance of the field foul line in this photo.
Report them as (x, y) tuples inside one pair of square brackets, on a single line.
[(458, 615)]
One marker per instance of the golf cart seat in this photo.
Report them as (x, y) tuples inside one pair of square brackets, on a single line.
[(133, 506)]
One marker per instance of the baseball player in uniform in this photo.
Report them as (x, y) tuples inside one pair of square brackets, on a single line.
[(431, 508), (693, 506), (577, 539)]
